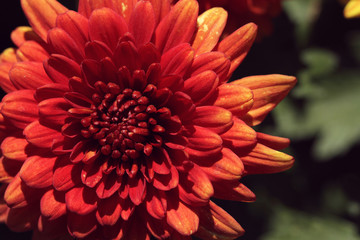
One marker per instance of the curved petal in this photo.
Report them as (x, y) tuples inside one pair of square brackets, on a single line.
[(53, 111), (177, 60), (52, 205), (178, 26), (215, 118), (60, 68), (42, 14), (273, 142), (109, 210), (210, 26), (24, 33), (5, 82), (81, 226), (268, 91), (8, 56), (14, 148), (31, 51), (233, 190), (81, 200), (40, 135)]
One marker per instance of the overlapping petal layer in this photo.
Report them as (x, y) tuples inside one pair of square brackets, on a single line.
[(119, 123)]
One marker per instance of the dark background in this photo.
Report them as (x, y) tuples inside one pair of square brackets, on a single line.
[(319, 197)]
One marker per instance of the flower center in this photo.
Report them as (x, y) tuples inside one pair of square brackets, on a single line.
[(124, 122)]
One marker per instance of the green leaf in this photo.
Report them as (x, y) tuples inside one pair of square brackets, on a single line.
[(319, 61), (289, 224)]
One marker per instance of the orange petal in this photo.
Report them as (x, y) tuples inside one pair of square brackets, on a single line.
[(20, 108), (37, 172), (234, 191), (28, 75), (31, 51), (182, 218), (22, 34), (268, 91), (177, 60), (237, 45), (273, 142), (41, 136), (201, 87), (235, 98), (352, 9), (178, 26), (240, 136), (42, 14), (263, 159), (229, 167), (142, 23), (217, 224), (214, 118), (66, 174), (204, 139), (52, 205), (81, 200), (14, 148), (5, 82), (210, 26), (8, 56)]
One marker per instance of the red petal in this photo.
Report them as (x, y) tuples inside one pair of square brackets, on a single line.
[(66, 175), (91, 174), (137, 189), (107, 26), (6, 176), (52, 90), (60, 68), (156, 203), (235, 98), (22, 219), (76, 26), (52, 205), (273, 142), (195, 187), (182, 218), (62, 43), (178, 26), (161, 9), (81, 226), (234, 191), (53, 111), (268, 91), (214, 61), (210, 26), (128, 209), (20, 108), (217, 224), (15, 148), (237, 45), (28, 75), (37, 172), (109, 210), (31, 51), (166, 182), (126, 55), (108, 185), (160, 161), (97, 50), (240, 137), (263, 159), (177, 60), (5, 82), (142, 23), (81, 200), (202, 86), (229, 167), (40, 135), (42, 14)]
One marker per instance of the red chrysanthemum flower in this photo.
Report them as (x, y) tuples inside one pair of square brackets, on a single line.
[(242, 12), (119, 124)]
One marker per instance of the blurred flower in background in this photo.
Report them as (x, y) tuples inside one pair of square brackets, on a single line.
[(352, 9)]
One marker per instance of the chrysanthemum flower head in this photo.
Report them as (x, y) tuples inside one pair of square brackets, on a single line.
[(118, 122)]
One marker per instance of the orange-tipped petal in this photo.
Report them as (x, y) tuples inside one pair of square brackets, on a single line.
[(263, 159), (8, 56), (229, 167), (204, 139), (215, 118), (14, 148), (42, 14), (22, 34), (273, 142), (210, 26), (142, 23), (28, 75), (268, 91), (215, 223), (178, 26), (237, 45), (52, 204), (182, 218), (31, 51), (234, 191), (37, 172), (235, 98)]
